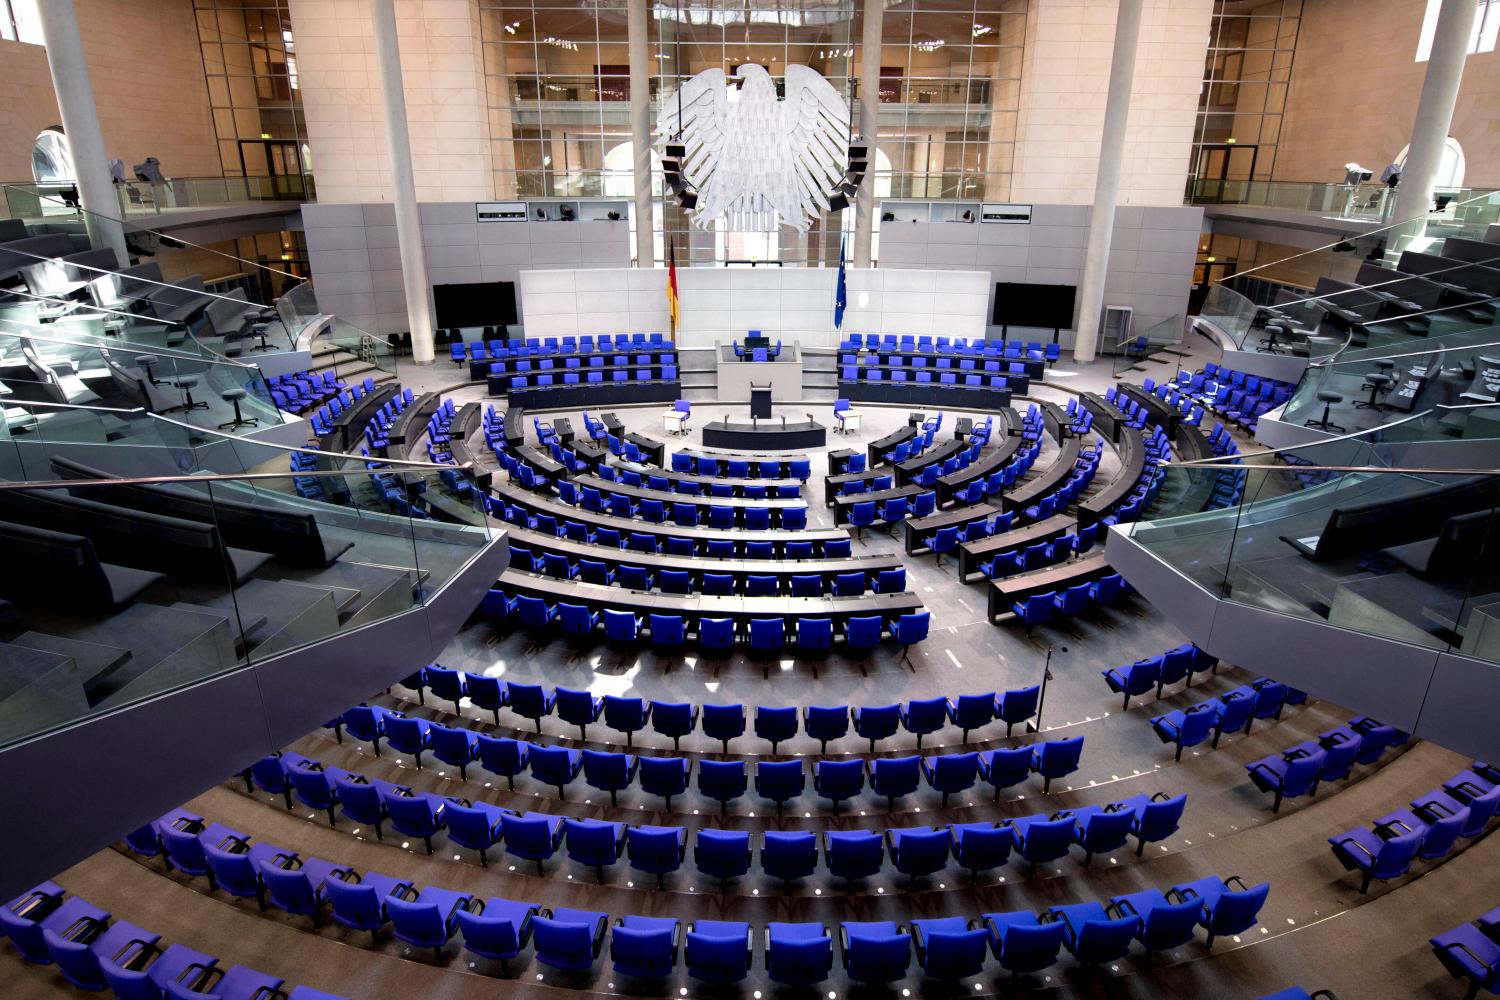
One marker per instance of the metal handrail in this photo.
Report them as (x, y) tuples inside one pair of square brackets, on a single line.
[(1332, 359), (212, 432), (136, 227), (1228, 460), (207, 477), (121, 346), (1372, 232)]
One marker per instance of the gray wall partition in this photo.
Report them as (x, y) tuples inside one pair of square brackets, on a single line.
[(90, 784), (1150, 262), (1445, 697)]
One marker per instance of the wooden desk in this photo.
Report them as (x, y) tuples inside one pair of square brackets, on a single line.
[(694, 607), (842, 505), (1046, 481), (888, 443), (1132, 451), (536, 503), (1054, 579), (971, 554)]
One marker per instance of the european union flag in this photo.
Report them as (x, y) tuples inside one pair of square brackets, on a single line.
[(841, 295)]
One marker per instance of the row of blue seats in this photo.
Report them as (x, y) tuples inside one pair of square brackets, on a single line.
[(747, 490), (993, 364), (321, 787), (1158, 671), (851, 373), (1039, 555), (478, 350), (671, 581), (298, 392), (810, 633), (525, 366), (724, 722), (595, 376), (1038, 609), (96, 952), (685, 513), (636, 541), (691, 463), (323, 417), (1233, 710), (1298, 770), (758, 355), (1080, 418), (1033, 349), (377, 429), (1472, 951), (722, 952), (1461, 807)]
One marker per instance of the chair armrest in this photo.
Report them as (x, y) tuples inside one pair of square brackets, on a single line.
[(1236, 880)]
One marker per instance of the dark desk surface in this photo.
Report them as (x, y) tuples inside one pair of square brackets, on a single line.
[(889, 442), (971, 554), (612, 424), (725, 456), (540, 462), (349, 425), (1014, 589), (842, 505), (1191, 444), (1132, 452), (706, 481), (539, 542), (1047, 480), (990, 461), (1158, 412), (920, 530), (694, 606), (515, 425), (832, 485), (911, 468), (769, 433), (838, 459), (643, 493), (549, 504), (1106, 417), (653, 449)]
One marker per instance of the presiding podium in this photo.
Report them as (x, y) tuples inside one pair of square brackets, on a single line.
[(760, 401)]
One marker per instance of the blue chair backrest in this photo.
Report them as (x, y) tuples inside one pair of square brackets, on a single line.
[(563, 944), (956, 955), (855, 854), (1234, 912)]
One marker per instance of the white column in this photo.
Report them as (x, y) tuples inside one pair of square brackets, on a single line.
[(80, 120), (1429, 132), (640, 128), (869, 119), (1107, 184), (408, 221)]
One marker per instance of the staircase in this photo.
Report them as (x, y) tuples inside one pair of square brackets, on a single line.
[(699, 372), (346, 365), (819, 374)]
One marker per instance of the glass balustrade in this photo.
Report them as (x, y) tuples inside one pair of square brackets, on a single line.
[(1352, 532), (125, 588), (99, 357), (1162, 338), (52, 203)]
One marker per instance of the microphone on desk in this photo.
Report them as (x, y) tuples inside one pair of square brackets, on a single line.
[(783, 421)]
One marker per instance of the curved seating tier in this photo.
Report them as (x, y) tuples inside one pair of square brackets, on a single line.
[(511, 502), (766, 623), (1433, 827), (94, 951), (725, 722)]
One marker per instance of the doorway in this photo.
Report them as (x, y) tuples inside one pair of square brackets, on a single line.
[(1223, 172), (279, 163)]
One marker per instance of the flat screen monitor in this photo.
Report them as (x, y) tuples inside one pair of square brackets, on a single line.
[(1047, 306), (480, 303)]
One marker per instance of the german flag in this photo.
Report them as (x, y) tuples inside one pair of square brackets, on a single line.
[(672, 285)]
